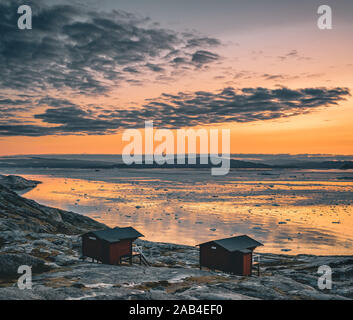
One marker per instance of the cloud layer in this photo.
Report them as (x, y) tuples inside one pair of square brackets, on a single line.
[(89, 52), (176, 111), (76, 51)]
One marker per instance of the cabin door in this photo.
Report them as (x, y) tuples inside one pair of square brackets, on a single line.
[(247, 264)]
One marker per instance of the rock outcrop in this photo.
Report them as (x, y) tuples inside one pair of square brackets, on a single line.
[(17, 183), (48, 238), (18, 215)]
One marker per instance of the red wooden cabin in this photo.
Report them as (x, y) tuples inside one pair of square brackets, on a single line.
[(232, 255), (109, 246)]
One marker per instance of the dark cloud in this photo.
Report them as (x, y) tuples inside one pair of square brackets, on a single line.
[(54, 102), (267, 76), (180, 110), (154, 67), (75, 50), (11, 107), (203, 57), (13, 102), (88, 52), (293, 54), (202, 42)]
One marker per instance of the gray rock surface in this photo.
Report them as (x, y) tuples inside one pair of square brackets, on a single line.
[(178, 277), (10, 262), (18, 214), (17, 183), (48, 239)]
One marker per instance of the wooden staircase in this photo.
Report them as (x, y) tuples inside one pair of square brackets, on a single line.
[(143, 259)]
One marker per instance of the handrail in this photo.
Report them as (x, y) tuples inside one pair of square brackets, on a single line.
[(139, 250), (256, 258)]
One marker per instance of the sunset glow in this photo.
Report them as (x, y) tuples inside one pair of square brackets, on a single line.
[(44, 116)]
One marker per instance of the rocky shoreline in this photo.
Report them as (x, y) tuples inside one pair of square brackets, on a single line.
[(48, 239)]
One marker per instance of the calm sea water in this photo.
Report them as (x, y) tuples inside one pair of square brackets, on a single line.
[(289, 211)]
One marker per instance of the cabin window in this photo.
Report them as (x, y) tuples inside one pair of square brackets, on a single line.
[(214, 248), (92, 238)]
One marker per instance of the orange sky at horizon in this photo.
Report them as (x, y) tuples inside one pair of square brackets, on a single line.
[(265, 138)]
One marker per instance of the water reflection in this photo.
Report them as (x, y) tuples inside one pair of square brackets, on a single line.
[(287, 216)]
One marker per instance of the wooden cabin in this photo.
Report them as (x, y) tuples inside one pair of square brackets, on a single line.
[(231, 255), (109, 246)]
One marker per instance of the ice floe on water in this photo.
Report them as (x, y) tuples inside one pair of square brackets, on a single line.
[(306, 211)]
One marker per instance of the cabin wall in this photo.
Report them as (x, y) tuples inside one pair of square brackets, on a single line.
[(96, 249), (242, 263), (214, 256), (116, 250), (247, 264), (237, 263)]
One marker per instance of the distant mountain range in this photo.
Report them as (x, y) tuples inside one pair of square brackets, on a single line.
[(45, 162), (318, 165)]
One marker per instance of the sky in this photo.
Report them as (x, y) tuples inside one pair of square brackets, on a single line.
[(89, 70)]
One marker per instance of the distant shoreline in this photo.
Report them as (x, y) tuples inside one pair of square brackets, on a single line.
[(110, 162)]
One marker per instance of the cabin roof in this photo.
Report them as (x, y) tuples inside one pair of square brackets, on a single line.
[(116, 234), (239, 243)]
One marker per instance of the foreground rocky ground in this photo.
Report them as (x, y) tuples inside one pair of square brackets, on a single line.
[(48, 240)]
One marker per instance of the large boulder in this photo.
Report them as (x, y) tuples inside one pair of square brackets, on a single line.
[(10, 262), (18, 213), (17, 183)]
